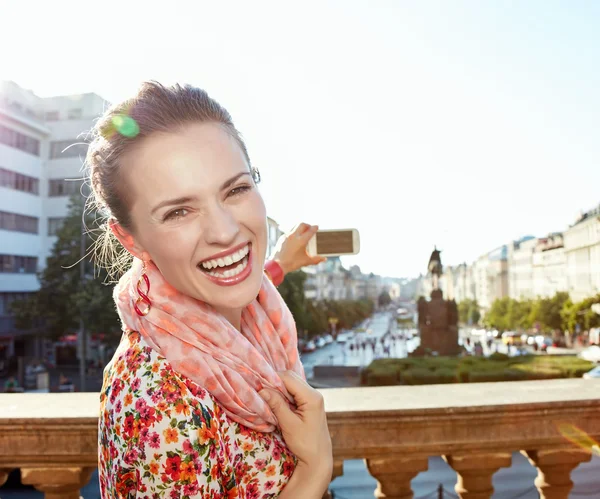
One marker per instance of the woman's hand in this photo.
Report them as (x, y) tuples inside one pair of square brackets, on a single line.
[(290, 251), (304, 429)]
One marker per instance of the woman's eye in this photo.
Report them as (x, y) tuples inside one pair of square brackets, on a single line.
[(176, 214), (239, 190)]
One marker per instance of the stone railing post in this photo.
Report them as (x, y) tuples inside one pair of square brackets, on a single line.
[(3, 476), (554, 470), (475, 472), (394, 475), (57, 483), (338, 470)]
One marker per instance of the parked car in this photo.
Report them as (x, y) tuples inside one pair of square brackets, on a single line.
[(593, 374), (309, 347), (320, 342), (328, 339)]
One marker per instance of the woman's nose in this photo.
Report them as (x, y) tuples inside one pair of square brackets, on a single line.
[(221, 227)]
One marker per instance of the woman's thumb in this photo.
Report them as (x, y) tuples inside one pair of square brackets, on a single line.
[(277, 404)]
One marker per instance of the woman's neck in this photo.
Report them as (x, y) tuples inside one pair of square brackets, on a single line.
[(233, 315)]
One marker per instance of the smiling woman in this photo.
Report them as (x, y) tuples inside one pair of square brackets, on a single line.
[(194, 402)]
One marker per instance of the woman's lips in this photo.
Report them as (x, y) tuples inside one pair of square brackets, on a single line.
[(233, 280)]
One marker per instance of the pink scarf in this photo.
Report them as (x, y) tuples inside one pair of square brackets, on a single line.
[(203, 346)]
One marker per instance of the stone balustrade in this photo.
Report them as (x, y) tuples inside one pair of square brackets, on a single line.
[(52, 438)]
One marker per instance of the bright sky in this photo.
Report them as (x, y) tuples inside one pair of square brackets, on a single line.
[(461, 124)]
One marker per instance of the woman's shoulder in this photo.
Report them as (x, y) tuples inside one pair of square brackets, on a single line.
[(155, 427), (137, 371)]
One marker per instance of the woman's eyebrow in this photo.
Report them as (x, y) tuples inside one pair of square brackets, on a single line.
[(187, 199)]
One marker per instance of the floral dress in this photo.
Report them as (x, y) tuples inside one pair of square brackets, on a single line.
[(161, 435)]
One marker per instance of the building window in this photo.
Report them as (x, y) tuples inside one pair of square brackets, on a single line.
[(7, 298), (15, 264), (61, 187), (20, 141), (18, 223), (75, 114), (52, 116), (54, 225), (67, 149), (19, 182)]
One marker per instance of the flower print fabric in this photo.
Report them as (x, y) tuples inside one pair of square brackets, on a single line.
[(162, 435)]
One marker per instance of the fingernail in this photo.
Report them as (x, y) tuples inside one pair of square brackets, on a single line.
[(266, 396)]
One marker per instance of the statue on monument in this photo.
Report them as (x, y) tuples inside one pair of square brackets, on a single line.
[(438, 318), (435, 267)]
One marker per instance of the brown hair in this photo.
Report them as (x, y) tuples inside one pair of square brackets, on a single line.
[(155, 108)]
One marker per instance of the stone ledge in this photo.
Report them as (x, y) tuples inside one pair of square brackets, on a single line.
[(60, 429)]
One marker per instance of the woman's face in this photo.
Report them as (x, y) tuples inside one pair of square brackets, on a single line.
[(197, 214)]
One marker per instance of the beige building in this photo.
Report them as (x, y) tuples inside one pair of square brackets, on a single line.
[(328, 281), (457, 283), (520, 268), (549, 266), (464, 284), (582, 250), (491, 277)]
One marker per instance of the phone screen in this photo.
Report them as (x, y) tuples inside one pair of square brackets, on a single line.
[(337, 242)]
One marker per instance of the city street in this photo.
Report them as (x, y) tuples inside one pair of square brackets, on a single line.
[(340, 354)]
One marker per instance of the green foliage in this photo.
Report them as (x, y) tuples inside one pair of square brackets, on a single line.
[(499, 356), (468, 312), (440, 370), (292, 291), (549, 314), (63, 297), (580, 313)]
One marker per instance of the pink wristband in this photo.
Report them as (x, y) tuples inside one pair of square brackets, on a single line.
[(274, 272)]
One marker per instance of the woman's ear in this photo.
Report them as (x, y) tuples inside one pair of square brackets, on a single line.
[(127, 240)]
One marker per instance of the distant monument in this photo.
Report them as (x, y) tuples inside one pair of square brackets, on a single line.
[(438, 318)]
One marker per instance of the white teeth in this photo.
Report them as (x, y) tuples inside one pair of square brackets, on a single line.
[(228, 260), (232, 272)]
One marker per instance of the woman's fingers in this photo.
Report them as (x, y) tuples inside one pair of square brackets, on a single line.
[(279, 406), (301, 229), (302, 392)]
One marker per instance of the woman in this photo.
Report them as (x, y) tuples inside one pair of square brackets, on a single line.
[(205, 396)]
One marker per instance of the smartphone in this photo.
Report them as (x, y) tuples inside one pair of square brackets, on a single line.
[(336, 242)]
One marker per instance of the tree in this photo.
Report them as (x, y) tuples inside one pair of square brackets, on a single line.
[(384, 299), (474, 313), (580, 313), (546, 312), (292, 292), (63, 298), (497, 316), (468, 312)]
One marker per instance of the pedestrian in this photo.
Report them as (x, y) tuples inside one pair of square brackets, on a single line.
[(192, 402)]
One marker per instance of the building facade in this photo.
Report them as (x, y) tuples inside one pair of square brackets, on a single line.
[(520, 268), (582, 250), (549, 266), (39, 170)]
